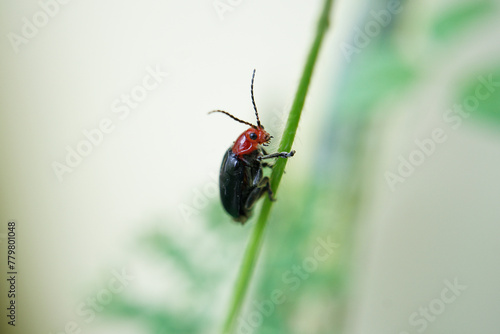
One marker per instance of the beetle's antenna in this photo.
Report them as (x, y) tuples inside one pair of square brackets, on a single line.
[(236, 119), (253, 102)]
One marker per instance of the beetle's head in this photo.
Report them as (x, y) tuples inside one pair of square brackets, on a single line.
[(258, 136), (250, 140)]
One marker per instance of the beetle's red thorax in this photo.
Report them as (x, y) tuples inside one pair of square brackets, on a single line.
[(250, 140)]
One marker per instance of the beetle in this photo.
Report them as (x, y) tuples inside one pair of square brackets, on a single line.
[(241, 180)]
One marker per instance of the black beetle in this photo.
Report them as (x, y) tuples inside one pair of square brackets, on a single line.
[(241, 179)]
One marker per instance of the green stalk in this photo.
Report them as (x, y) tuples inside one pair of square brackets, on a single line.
[(255, 242)]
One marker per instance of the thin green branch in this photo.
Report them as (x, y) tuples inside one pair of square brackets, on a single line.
[(255, 242)]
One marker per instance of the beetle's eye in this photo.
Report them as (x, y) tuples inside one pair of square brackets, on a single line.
[(253, 136)]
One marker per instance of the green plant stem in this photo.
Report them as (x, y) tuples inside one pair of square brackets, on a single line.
[(255, 242)]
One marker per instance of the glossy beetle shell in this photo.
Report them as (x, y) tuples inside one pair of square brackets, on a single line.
[(238, 178)]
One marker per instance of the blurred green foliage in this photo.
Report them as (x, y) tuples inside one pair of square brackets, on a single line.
[(488, 100), (458, 19)]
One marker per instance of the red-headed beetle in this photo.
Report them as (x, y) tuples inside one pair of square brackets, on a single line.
[(241, 180)]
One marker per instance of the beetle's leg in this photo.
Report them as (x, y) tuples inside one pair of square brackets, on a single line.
[(257, 179), (265, 185), (262, 187), (277, 155), (254, 195), (265, 164)]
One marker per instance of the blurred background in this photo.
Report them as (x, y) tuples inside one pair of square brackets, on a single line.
[(387, 218)]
